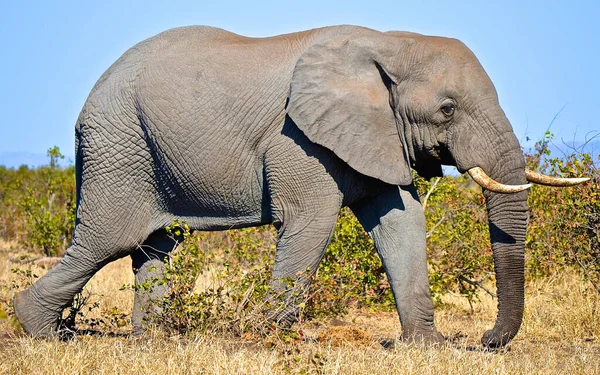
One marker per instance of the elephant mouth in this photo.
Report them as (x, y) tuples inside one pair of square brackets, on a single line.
[(444, 155)]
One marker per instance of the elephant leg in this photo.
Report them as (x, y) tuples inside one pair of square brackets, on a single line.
[(396, 222), (301, 245), (104, 232), (304, 182), (39, 308), (149, 269)]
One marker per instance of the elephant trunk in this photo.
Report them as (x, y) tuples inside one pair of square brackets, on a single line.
[(489, 145), (508, 216)]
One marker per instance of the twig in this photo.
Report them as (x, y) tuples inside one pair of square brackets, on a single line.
[(587, 275), (556, 116), (430, 232), (586, 141), (477, 284), (431, 189), (546, 140), (245, 299)]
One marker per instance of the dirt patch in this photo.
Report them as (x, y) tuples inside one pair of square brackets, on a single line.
[(346, 335)]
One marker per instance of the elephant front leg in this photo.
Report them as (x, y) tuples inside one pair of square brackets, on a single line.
[(301, 245), (396, 222), (149, 269)]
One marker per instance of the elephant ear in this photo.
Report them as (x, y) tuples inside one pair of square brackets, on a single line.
[(340, 99)]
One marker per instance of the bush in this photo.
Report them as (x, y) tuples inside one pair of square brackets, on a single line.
[(221, 281), (37, 206), (564, 226), (350, 273), (461, 263), (221, 289)]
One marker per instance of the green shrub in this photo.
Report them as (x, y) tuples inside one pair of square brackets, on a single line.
[(37, 206), (221, 289), (564, 226), (350, 273), (221, 281), (458, 246), (13, 188)]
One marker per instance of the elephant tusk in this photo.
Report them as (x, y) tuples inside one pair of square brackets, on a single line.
[(479, 176), (542, 179)]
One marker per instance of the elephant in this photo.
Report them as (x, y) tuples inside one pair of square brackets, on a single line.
[(226, 131)]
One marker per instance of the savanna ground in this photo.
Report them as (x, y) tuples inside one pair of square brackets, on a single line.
[(560, 335)]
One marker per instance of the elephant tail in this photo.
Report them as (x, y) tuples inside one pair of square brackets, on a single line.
[(78, 162)]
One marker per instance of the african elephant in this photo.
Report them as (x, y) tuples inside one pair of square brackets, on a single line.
[(226, 131)]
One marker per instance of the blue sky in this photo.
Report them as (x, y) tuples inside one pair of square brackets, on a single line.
[(543, 56)]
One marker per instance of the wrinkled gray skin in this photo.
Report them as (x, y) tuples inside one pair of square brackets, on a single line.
[(226, 132)]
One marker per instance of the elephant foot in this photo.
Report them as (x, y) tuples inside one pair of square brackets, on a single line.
[(35, 319), (283, 316), (494, 339), (138, 331), (423, 337), (145, 315)]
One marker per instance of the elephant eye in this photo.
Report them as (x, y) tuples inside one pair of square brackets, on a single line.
[(448, 109)]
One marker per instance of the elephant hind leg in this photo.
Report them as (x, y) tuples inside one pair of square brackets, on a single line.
[(39, 308), (97, 241), (149, 269)]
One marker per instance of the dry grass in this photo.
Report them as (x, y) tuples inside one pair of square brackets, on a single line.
[(560, 335)]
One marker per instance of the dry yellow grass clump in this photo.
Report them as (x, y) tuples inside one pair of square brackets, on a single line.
[(560, 335)]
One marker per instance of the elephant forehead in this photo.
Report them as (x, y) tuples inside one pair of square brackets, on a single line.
[(440, 79), (445, 59), (425, 94), (421, 95)]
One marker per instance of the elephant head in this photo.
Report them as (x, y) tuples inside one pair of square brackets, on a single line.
[(388, 102)]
